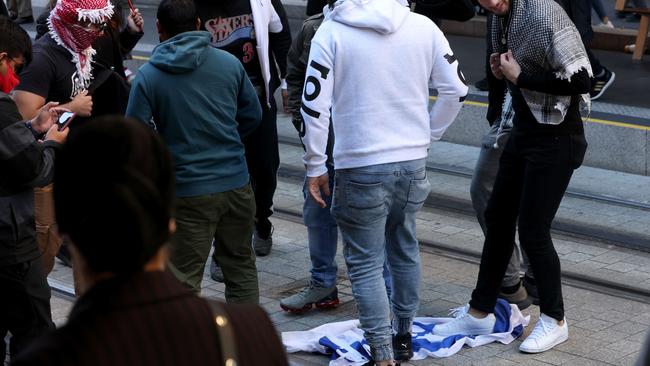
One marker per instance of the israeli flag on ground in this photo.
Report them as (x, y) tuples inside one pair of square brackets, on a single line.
[(344, 340)]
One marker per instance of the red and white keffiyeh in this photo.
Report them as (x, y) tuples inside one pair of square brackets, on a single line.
[(65, 30)]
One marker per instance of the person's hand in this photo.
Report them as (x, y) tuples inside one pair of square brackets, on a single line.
[(495, 65), (47, 116), (285, 100), (53, 134), (135, 21), (509, 67), (82, 104), (315, 185)]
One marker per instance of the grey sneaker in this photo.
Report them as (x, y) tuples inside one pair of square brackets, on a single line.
[(261, 245), (215, 271), (519, 297), (321, 297)]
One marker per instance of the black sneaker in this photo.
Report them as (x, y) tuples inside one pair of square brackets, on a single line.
[(600, 83), (262, 243), (402, 347)]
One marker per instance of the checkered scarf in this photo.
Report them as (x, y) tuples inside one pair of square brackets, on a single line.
[(64, 29), (543, 38)]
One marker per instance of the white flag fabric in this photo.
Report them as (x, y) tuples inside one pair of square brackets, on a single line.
[(344, 342)]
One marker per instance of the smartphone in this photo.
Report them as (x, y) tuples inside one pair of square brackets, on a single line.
[(64, 120)]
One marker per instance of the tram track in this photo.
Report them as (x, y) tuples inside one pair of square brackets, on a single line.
[(571, 228), (464, 173), (573, 279), (578, 280)]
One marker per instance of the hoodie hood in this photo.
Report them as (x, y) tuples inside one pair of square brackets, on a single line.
[(383, 16), (182, 53)]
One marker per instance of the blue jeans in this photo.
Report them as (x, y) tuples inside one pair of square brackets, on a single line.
[(375, 208), (322, 234)]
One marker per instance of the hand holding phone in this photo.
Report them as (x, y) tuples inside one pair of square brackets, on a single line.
[(64, 120)]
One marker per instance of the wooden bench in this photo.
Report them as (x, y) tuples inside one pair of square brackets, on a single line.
[(642, 35)]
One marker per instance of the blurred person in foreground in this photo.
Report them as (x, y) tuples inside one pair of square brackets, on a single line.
[(131, 311), (27, 154)]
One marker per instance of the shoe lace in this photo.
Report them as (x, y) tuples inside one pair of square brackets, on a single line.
[(459, 312), (307, 289), (541, 329)]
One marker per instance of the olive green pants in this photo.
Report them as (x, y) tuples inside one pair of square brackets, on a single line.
[(228, 217)]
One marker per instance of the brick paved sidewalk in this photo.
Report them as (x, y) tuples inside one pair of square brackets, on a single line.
[(605, 330)]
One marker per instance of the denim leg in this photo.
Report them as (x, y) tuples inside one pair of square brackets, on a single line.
[(402, 245), (360, 207), (322, 234), (375, 208), (387, 280)]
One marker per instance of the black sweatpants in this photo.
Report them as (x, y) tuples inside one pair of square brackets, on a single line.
[(263, 160), (25, 305), (534, 172)]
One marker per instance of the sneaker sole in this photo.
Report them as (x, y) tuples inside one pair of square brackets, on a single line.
[(262, 251), (561, 340), (402, 357), (600, 94), (331, 304)]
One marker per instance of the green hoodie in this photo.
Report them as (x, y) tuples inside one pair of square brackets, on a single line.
[(202, 104)]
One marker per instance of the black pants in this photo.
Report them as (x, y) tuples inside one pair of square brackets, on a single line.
[(263, 159), (596, 66), (533, 175), (25, 305)]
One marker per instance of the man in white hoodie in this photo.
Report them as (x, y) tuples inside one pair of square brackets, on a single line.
[(371, 63)]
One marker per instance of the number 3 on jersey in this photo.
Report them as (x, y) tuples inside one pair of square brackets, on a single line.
[(249, 52)]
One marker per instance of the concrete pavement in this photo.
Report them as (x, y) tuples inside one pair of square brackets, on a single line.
[(605, 329)]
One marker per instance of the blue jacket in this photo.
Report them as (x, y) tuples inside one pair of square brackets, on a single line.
[(202, 103)]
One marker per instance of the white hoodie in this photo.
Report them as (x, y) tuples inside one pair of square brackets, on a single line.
[(371, 62)]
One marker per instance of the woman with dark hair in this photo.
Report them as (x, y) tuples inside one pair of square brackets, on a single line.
[(136, 312)]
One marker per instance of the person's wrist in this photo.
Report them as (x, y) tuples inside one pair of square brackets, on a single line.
[(36, 126), (32, 128)]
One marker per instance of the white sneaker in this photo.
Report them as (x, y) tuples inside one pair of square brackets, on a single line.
[(465, 324), (607, 24), (546, 335)]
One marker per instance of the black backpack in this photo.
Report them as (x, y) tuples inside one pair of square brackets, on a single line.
[(109, 90)]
